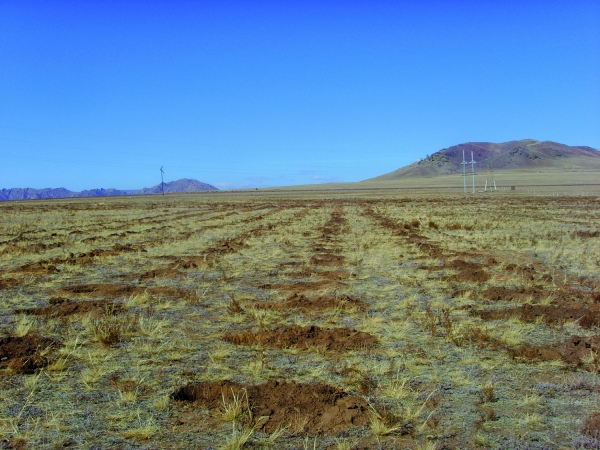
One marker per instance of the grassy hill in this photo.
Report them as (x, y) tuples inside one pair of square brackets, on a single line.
[(526, 154)]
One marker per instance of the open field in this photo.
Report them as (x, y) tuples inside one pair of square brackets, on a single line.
[(344, 320), (557, 182)]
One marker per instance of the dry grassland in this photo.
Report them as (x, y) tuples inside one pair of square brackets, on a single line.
[(301, 322)]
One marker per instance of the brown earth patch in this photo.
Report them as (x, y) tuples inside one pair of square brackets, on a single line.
[(500, 293), (317, 303), (118, 290), (585, 317), (308, 272), (62, 307), (306, 286), (591, 426), (25, 354), (467, 271), (43, 267), (326, 259), (337, 339), (160, 273), (309, 408), (8, 283), (572, 351)]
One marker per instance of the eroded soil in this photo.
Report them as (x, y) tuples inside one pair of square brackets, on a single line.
[(25, 354), (308, 408)]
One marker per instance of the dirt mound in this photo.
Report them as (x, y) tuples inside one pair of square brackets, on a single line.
[(62, 307), (160, 273), (25, 354), (306, 286), (43, 267), (8, 283), (500, 293), (337, 339), (336, 275), (548, 313), (317, 303), (188, 263), (574, 350), (118, 290), (327, 259), (467, 271), (591, 426), (305, 408)]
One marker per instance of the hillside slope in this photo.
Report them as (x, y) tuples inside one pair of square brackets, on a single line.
[(514, 155)]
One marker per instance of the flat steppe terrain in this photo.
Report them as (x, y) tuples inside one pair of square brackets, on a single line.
[(423, 319)]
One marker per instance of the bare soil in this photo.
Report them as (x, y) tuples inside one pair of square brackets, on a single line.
[(585, 317), (308, 408), (62, 307), (572, 351), (118, 290), (24, 354), (316, 303)]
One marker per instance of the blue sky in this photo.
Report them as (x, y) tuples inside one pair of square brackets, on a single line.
[(264, 93)]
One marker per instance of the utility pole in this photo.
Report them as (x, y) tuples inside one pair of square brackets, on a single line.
[(464, 164), (472, 162), (162, 181)]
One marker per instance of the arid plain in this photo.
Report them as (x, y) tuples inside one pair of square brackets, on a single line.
[(321, 320)]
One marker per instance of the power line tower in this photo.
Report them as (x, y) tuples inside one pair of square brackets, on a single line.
[(490, 180), (162, 181), (472, 162), (464, 164)]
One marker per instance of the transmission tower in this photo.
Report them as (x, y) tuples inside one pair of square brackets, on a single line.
[(490, 180), (162, 181)]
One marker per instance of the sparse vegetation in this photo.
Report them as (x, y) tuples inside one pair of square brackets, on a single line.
[(228, 322)]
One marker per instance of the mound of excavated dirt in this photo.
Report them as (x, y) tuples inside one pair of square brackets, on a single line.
[(338, 339), (307, 272), (118, 290), (591, 426), (8, 283), (24, 354), (548, 313), (572, 351), (317, 303), (306, 286), (305, 408), (500, 293), (61, 307), (42, 267), (327, 259), (159, 273)]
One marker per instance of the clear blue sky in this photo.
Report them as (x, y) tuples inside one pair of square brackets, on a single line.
[(262, 93)]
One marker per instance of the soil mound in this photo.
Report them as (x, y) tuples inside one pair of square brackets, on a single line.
[(62, 307), (322, 302), (500, 293), (574, 350), (337, 339), (306, 286), (117, 290), (591, 426), (25, 354), (548, 313), (327, 259), (159, 273), (42, 267), (308, 408), (8, 283)]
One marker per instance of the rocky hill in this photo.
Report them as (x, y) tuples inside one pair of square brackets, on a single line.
[(183, 185), (525, 154)]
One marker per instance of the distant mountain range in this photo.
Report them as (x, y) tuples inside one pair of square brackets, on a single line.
[(514, 155), (183, 185)]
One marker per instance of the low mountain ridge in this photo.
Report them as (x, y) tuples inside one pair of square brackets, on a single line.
[(513, 155), (183, 185)]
